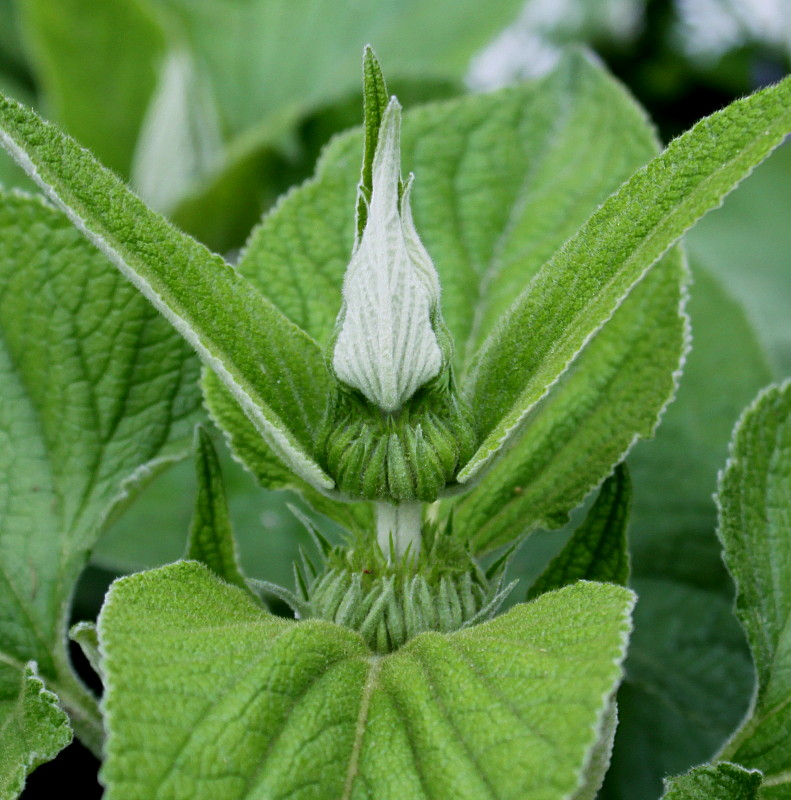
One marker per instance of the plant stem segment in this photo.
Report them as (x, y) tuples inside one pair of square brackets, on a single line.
[(402, 522)]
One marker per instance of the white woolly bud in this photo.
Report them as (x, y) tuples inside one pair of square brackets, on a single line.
[(386, 346)]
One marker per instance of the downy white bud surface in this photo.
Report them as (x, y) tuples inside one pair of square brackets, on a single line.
[(386, 347)]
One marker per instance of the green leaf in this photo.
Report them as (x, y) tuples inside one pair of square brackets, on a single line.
[(688, 675), (598, 549), (375, 100), (721, 781), (211, 538), (264, 707), (33, 727), (273, 369), (612, 396), (578, 290), (754, 497), (98, 393), (686, 685), (96, 83)]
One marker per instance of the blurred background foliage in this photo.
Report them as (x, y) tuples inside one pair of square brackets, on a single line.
[(213, 108)]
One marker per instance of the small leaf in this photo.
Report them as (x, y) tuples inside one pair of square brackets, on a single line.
[(375, 100), (598, 549), (211, 537), (579, 289), (272, 368), (264, 707), (33, 726), (754, 499), (85, 635), (723, 781)]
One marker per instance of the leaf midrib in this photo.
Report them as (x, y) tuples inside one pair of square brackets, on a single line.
[(360, 726)]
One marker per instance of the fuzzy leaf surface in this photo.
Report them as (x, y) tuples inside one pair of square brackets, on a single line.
[(754, 498), (723, 781), (96, 393), (269, 470), (33, 727), (260, 706), (598, 549), (578, 290), (273, 369)]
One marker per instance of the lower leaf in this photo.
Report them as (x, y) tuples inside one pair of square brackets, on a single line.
[(208, 696), (33, 727)]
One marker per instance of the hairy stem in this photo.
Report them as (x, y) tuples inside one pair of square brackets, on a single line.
[(81, 706), (403, 523)]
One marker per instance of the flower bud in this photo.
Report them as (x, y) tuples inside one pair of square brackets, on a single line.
[(386, 346), (396, 430)]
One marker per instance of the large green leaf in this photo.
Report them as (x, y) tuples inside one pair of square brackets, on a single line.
[(97, 392), (722, 781), (688, 675), (754, 498), (257, 707), (578, 290), (97, 64), (687, 685), (33, 728), (274, 370)]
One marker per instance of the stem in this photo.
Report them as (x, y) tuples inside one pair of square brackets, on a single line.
[(403, 522), (82, 708)]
